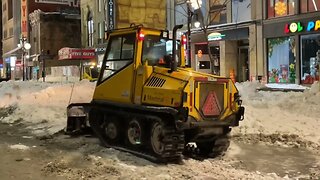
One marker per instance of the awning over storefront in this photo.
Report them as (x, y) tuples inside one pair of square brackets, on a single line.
[(235, 34), (11, 52), (67, 53)]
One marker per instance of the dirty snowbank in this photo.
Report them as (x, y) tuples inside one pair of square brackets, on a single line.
[(44, 105), (41, 104), (270, 112)]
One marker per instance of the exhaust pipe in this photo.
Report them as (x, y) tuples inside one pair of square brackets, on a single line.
[(174, 50)]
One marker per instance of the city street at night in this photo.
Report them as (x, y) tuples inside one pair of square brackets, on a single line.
[(160, 89)]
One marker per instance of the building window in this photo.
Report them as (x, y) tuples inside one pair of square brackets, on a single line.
[(10, 32), (241, 10), (204, 65), (281, 60), (278, 8), (10, 9), (100, 32), (99, 5), (218, 11), (90, 29), (310, 58), (5, 35), (309, 5), (4, 7)]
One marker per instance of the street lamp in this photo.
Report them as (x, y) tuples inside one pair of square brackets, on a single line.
[(197, 24), (25, 46), (191, 4)]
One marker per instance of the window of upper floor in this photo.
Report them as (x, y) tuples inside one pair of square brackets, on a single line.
[(90, 29), (309, 6), (99, 5), (4, 7), (218, 11), (279, 8), (241, 10), (10, 10), (5, 34)]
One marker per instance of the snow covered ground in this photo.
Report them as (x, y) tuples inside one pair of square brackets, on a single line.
[(274, 117), (43, 104), (266, 112)]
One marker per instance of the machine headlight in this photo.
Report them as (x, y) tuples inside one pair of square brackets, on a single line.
[(76, 111)]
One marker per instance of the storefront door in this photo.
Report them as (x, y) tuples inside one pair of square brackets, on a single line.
[(243, 64)]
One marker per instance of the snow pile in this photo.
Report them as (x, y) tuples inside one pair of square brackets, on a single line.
[(286, 86), (270, 112), (19, 147), (42, 104)]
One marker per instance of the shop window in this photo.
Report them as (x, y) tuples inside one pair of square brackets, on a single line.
[(310, 58), (215, 52), (309, 5), (278, 8), (90, 29), (281, 60), (202, 47), (218, 11), (204, 64)]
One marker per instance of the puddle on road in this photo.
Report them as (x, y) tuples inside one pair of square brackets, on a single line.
[(280, 160)]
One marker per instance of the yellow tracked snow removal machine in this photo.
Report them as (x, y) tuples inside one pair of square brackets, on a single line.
[(147, 102)]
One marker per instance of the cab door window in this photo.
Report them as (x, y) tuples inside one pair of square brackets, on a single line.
[(120, 54)]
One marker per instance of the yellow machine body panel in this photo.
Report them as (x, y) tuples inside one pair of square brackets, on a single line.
[(163, 90), (117, 88), (143, 70)]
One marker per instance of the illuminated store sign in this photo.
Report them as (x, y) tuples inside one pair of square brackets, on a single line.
[(215, 36), (298, 27)]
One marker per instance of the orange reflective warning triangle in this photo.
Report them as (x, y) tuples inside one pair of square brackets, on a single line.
[(161, 61), (211, 106)]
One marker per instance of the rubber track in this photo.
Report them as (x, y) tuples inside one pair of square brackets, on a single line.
[(174, 143)]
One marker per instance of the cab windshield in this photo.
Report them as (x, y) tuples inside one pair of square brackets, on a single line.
[(155, 49)]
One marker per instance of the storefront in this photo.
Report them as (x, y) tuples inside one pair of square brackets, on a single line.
[(80, 62), (229, 47), (293, 50)]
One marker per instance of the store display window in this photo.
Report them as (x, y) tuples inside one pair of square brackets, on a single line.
[(281, 60), (310, 58)]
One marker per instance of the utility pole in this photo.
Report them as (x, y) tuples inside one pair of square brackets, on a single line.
[(43, 66), (25, 46)]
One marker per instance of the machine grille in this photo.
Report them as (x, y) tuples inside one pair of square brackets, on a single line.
[(211, 92), (156, 82)]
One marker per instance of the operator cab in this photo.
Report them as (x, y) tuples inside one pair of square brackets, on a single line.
[(157, 51)]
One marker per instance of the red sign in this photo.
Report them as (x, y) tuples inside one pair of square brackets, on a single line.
[(76, 54), (18, 63)]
